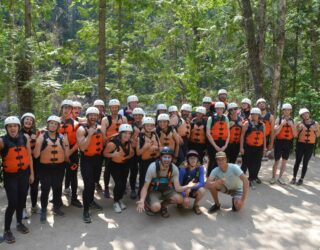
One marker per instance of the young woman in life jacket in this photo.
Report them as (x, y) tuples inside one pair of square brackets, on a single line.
[(28, 128), (161, 186), (308, 131), (245, 109), (68, 129), (137, 127), (18, 173), (192, 171), (110, 128), (236, 124), (132, 103), (198, 138), (161, 109), (285, 131), (120, 152), (253, 146), (91, 143), (148, 148), (168, 135), (99, 104), (76, 112), (217, 134), (52, 151)]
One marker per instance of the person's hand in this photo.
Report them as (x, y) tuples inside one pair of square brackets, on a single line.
[(284, 122), (218, 149), (140, 206), (290, 123), (242, 151), (91, 131), (223, 148), (31, 178), (220, 182), (116, 154)]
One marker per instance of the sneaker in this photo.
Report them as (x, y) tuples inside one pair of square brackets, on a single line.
[(265, 159), (35, 209), (273, 180), (86, 217), (214, 208), (25, 214), (122, 205), (133, 195), (116, 207), (22, 228), (8, 237), (106, 194), (293, 181), (251, 184), (299, 182), (67, 191), (164, 212), (43, 216), (57, 211), (281, 181), (258, 181), (76, 203), (98, 187), (95, 205)]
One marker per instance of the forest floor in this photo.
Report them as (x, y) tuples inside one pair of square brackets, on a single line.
[(275, 217)]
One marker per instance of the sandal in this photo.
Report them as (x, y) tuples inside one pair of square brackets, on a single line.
[(196, 209), (164, 212), (148, 211)]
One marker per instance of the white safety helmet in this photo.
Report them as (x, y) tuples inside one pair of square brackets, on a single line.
[(161, 107), (201, 110), (246, 100), (132, 98), (232, 105), (114, 102), (286, 106), (28, 115), (186, 107), (303, 110), (255, 111), (173, 109), (92, 110), (54, 118), (261, 100), (12, 120), (125, 128), (163, 117), (222, 91), (76, 104), (206, 99), (66, 103), (219, 105), (148, 120), (98, 103), (137, 111)]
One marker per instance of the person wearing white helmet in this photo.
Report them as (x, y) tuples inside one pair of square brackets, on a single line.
[(222, 97), (132, 103), (207, 103), (217, 134), (18, 173), (76, 111), (245, 109), (285, 132), (161, 109), (235, 120), (185, 111), (110, 127), (148, 148), (174, 116), (99, 104), (167, 134), (121, 153), (197, 140), (308, 131), (253, 146), (52, 148), (68, 128), (91, 143)]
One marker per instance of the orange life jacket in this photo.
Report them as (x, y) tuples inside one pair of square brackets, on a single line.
[(15, 154), (267, 123), (154, 150), (113, 128), (286, 132), (219, 128), (254, 136), (198, 132), (52, 150), (184, 128), (136, 131), (126, 151), (235, 132), (70, 127), (96, 143), (307, 134), (166, 139)]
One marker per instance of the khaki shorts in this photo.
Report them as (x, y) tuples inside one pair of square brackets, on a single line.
[(156, 196), (236, 194)]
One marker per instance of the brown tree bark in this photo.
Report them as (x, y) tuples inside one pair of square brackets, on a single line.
[(314, 38), (279, 38), (119, 45), (102, 50)]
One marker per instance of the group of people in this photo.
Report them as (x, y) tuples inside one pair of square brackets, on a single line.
[(167, 152)]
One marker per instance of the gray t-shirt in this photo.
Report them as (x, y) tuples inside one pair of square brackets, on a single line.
[(152, 173), (232, 182)]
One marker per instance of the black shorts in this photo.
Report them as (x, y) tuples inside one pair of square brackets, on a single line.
[(282, 148)]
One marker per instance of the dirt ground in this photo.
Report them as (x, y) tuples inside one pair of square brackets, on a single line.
[(275, 217)]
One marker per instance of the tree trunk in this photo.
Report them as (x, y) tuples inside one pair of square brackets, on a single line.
[(279, 34), (102, 50), (261, 25), (296, 55), (24, 68), (119, 45), (314, 37)]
